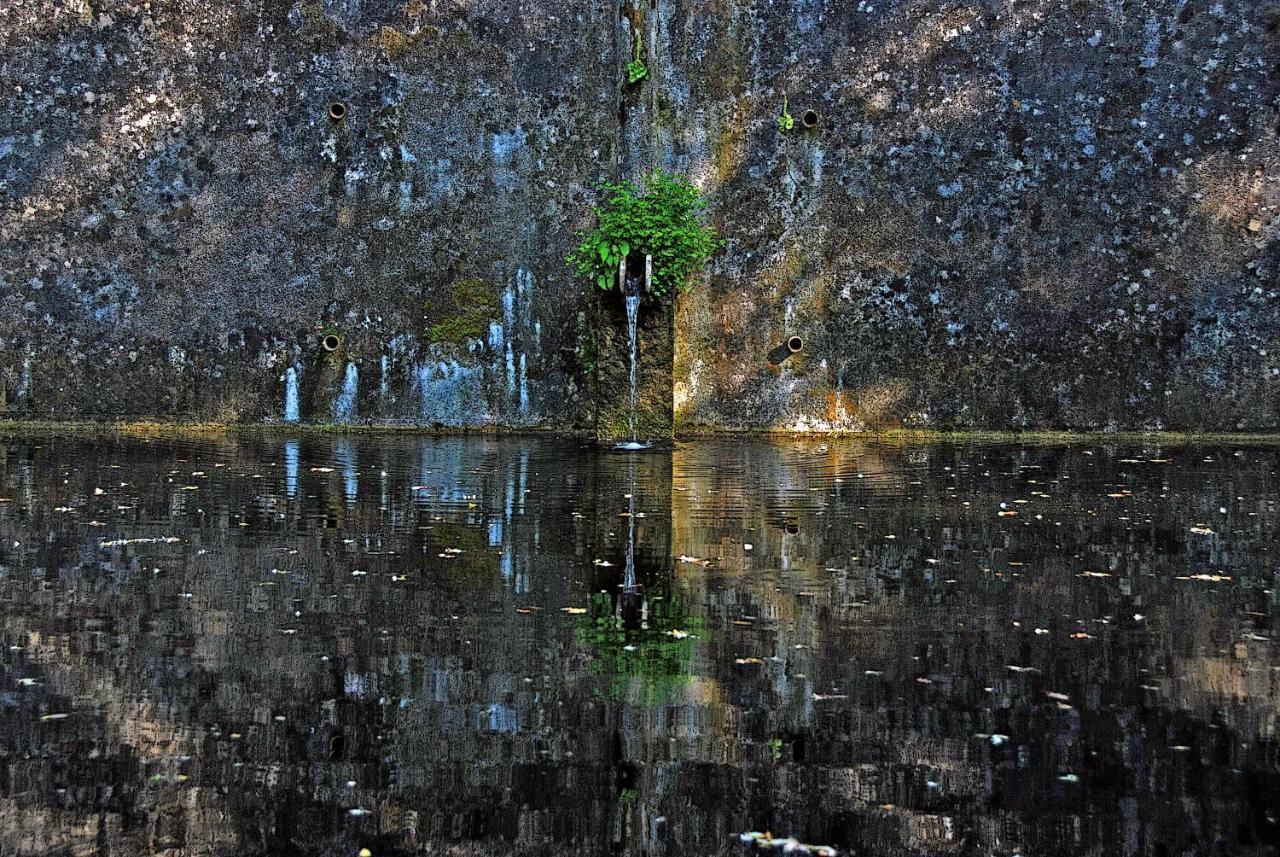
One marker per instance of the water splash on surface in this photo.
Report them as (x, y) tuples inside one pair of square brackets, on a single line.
[(344, 407), (291, 414)]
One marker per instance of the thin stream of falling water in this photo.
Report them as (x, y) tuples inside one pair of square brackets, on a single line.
[(633, 315), (291, 411), (344, 409)]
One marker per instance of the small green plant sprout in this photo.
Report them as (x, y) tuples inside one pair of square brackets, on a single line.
[(636, 69), (785, 120), (660, 218)]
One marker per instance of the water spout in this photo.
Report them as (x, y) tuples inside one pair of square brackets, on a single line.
[(291, 414), (633, 288), (633, 316), (344, 407)]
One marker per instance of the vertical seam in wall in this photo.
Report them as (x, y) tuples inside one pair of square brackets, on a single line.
[(651, 24)]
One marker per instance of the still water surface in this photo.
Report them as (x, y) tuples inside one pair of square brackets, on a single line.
[(317, 645)]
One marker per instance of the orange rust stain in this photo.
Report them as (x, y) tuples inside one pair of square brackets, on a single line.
[(840, 403)]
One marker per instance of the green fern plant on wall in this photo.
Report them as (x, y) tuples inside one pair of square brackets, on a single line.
[(636, 69), (660, 218)]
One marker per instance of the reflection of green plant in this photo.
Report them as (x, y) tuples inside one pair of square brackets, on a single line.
[(660, 220), (636, 69), (657, 655), (785, 120), (775, 749)]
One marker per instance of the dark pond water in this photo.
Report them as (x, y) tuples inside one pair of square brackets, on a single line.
[(319, 645)]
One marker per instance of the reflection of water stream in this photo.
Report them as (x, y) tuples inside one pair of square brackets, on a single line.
[(291, 467), (629, 572), (345, 456)]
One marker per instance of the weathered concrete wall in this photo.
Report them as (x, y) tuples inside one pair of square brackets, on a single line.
[(182, 220), (1013, 213)]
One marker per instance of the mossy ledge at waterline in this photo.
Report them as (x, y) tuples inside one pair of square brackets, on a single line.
[(1042, 437)]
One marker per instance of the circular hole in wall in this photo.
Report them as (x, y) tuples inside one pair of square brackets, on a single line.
[(792, 529), (337, 111), (331, 341), (810, 119), (795, 345)]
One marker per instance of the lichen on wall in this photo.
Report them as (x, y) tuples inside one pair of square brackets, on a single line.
[(1010, 215), (191, 195)]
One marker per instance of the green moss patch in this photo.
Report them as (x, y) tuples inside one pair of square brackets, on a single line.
[(464, 312)]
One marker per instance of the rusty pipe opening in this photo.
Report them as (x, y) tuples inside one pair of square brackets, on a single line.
[(795, 345), (331, 342), (810, 118), (337, 111), (792, 529)]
